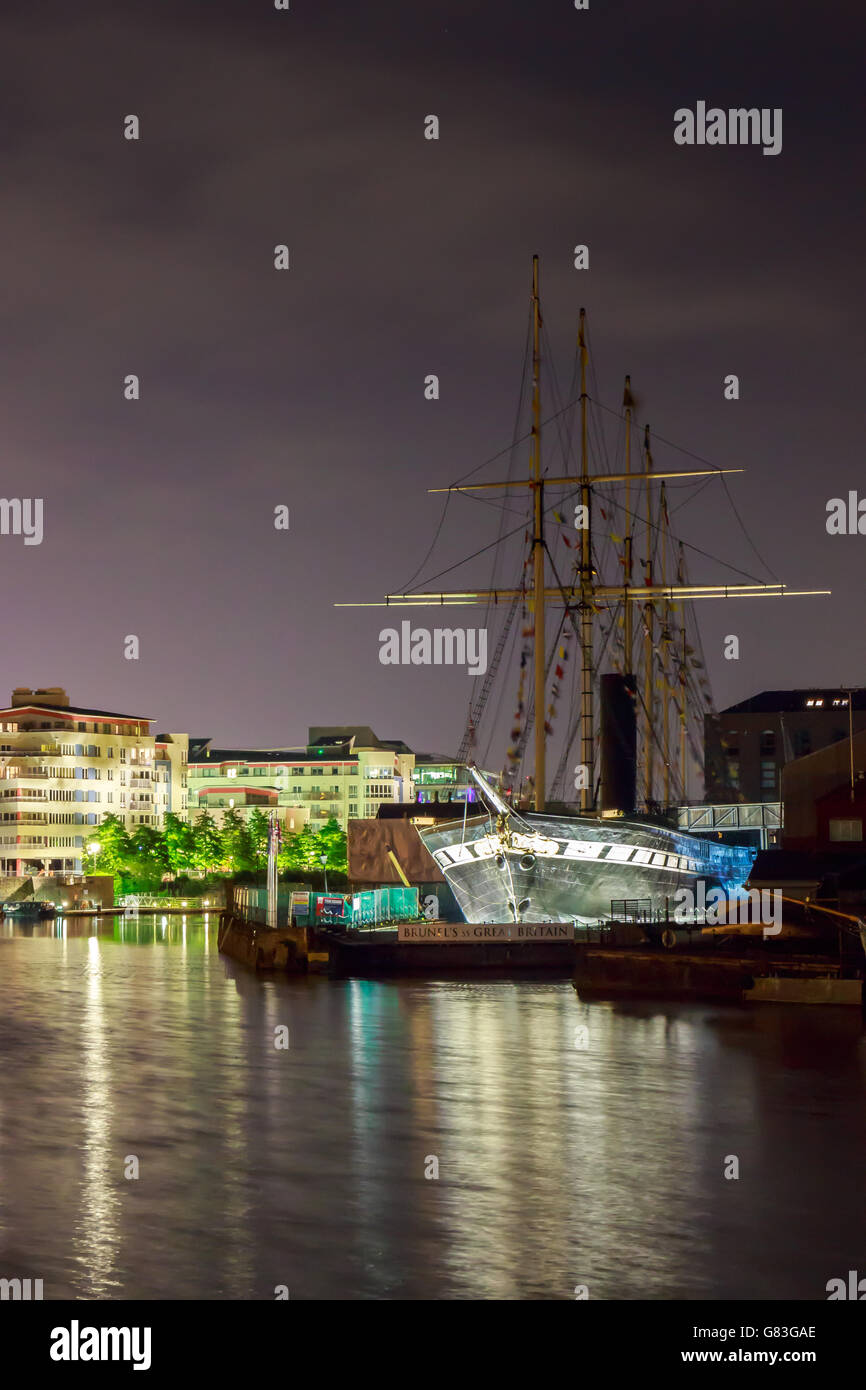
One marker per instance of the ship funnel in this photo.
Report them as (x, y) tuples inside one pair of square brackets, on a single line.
[(618, 743)]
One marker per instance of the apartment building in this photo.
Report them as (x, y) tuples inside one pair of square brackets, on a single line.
[(345, 772), (63, 767), (439, 778), (747, 745)]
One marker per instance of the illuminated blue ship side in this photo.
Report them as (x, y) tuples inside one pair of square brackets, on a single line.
[(543, 868)]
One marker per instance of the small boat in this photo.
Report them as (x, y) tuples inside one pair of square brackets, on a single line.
[(29, 908)]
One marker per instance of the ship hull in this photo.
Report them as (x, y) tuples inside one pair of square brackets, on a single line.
[(559, 869)]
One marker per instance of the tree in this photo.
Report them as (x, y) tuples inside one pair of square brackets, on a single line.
[(332, 841), (148, 857), (257, 826), (207, 844), (112, 855), (179, 843), (288, 859), (236, 849)]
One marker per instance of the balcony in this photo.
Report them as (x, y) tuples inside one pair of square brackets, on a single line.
[(28, 750)]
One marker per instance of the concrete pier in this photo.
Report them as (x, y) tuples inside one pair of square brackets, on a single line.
[(712, 975), (295, 950)]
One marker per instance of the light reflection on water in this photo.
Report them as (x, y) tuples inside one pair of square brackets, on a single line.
[(259, 1166)]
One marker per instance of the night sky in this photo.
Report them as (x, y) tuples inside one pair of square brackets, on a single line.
[(408, 257)]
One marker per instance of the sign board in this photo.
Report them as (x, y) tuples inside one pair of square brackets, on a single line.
[(434, 933), (330, 906)]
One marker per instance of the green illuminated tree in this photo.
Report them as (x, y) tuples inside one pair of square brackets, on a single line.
[(113, 854), (179, 840), (257, 826), (331, 840), (148, 859), (237, 853), (207, 841)]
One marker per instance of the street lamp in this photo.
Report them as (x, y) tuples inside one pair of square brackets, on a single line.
[(324, 859)]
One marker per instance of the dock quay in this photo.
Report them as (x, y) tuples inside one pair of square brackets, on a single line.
[(712, 974), (339, 952), (613, 960)]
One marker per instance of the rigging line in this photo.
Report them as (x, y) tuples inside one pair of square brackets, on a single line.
[(561, 425), (576, 723), (639, 517), (700, 459), (746, 534), (657, 438), (620, 507), (507, 657), (549, 419), (521, 399), (572, 735), (494, 502), (698, 488), (405, 589), (602, 450), (514, 441), (509, 450), (635, 516)]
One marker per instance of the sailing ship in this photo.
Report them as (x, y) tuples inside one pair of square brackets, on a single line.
[(616, 849)]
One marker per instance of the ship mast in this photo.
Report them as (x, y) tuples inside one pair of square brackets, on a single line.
[(628, 635), (538, 603), (664, 651), (684, 775), (648, 633), (587, 793), (587, 592)]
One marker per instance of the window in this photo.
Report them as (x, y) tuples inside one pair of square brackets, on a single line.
[(768, 774), (846, 829), (768, 744)]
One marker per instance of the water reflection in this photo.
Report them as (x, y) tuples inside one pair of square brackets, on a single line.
[(311, 1166)]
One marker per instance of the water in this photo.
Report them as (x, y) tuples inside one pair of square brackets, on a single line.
[(558, 1166)]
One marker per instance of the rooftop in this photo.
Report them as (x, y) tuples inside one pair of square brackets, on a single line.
[(789, 701), (74, 712)]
